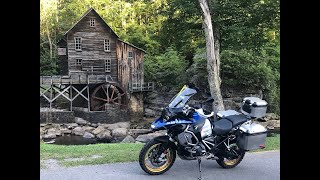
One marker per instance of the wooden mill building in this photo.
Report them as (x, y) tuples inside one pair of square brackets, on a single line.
[(98, 70)]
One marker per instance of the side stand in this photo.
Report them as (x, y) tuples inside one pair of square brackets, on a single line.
[(199, 163)]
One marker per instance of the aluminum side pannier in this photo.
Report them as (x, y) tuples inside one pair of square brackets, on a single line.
[(252, 137)]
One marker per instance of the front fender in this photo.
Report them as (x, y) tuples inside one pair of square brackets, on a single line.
[(165, 140)]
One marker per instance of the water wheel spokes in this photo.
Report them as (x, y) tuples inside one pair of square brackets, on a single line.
[(106, 94)]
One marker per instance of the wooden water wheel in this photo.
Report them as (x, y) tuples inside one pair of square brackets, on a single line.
[(107, 94)]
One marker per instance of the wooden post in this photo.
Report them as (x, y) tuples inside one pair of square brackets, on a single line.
[(71, 99), (50, 102), (88, 93)]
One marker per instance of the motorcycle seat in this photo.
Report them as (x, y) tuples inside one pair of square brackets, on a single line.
[(237, 119), (223, 126)]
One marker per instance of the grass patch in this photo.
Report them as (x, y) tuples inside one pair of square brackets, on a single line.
[(110, 153), (272, 143)]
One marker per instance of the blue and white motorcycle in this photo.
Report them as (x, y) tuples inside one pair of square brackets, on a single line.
[(192, 134)]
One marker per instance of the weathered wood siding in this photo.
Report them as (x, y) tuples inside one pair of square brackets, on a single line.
[(93, 55), (129, 71), (92, 45), (63, 59)]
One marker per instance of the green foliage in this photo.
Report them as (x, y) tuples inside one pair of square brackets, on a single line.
[(246, 24), (244, 69), (197, 72), (166, 70), (48, 66), (248, 32), (271, 52), (247, 70), (139, 39), (182, 27)]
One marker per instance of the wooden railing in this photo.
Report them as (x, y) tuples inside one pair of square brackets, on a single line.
[(75, 79)]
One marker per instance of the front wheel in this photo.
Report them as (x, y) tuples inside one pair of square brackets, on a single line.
[(154, 163), (234, 160)]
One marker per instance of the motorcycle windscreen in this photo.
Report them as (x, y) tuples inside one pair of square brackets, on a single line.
[(182, 97)]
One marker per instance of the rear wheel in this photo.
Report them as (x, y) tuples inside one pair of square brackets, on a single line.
[(234, 160), (155, 164)]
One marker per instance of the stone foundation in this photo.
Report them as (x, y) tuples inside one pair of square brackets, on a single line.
[(136, 107), (112, 115), (56, 116)]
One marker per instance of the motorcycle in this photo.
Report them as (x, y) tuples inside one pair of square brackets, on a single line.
[(192, 134)]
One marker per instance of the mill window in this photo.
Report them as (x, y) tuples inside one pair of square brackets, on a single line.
[(92, 22), (77, 43), (108, 65)]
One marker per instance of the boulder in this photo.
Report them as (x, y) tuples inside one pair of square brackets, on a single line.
[(88, 129), (119, 132), (137, 132), (49, 136), (58, 132), (57, 126), (54, 131), (72, 125), (88, 135), (118, 125), (98, 130), (266, 118), (42, 131), (78, 131), (65, 131), (147, 137), (128, 139), (80, 121), (274, 123), (105, 136), (270, 127)]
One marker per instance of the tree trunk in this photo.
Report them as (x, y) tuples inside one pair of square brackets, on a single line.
[(213, 61), (50, 43), (216, 36)]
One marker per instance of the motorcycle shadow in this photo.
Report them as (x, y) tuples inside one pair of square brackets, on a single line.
[(185, 169)]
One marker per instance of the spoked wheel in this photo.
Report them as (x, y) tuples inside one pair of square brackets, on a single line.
[(234, 160), (105, 94), (155, 164)]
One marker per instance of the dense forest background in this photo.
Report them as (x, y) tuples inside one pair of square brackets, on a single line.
[(171, 33)]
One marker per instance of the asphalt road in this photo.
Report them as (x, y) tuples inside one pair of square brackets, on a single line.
[(254, 166)]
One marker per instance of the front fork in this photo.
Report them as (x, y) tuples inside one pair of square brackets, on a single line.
[(166, 142)]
